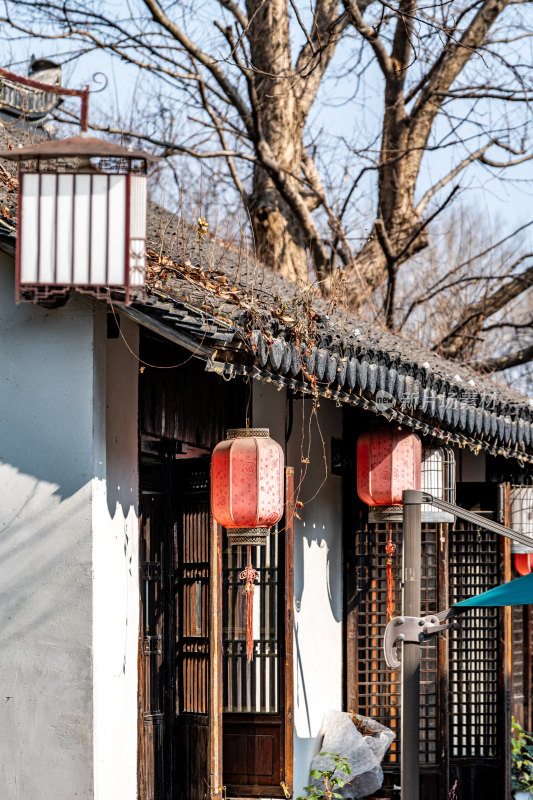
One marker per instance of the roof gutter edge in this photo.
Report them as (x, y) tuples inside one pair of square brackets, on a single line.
[(424, 428)]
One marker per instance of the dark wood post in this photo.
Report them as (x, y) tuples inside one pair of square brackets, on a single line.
[(215, 673), (288, 733), (505, 667)]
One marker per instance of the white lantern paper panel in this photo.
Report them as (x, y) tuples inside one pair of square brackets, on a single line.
[(99, 231), (80, 204), (521, 502), (74, 229), (117, 224), (138, 230), (47, 226), (65, 190), (29, 235)]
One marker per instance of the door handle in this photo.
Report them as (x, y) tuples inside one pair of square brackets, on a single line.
[(286, 790)]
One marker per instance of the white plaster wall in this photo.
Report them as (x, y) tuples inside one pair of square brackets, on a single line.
[(317, 568), (115, 574), (46, 468), (69, 606)]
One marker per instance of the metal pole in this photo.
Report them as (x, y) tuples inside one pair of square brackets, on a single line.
[(410, 719)]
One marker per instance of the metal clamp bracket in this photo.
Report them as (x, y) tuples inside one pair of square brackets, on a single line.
[(414, 630)]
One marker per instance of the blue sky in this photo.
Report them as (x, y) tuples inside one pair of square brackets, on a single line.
[(339, 113)]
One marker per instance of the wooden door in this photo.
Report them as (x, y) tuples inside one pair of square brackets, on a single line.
[(193, 645), (179, 675), (155, 717), (257, 696)]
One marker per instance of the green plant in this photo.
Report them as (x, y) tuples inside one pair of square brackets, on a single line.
[(522, 759), (331, 779)]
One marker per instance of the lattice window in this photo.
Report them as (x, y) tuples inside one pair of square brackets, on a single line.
[(518, 660), (473, 674), (251, 687), (378, 687), (429, 660), (191, 556)]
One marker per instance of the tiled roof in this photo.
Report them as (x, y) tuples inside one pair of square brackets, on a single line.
[(351, 360), (240, 316)]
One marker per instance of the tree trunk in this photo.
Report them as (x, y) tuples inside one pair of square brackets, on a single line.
[(279, 240)]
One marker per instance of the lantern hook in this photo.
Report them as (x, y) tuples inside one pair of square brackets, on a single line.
[(414, 630)]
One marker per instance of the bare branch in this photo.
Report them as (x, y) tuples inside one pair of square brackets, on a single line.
[(478, 312), (237, 12), (419, 209), (503, 164), (370, 35), (206, 60), (499, 363)]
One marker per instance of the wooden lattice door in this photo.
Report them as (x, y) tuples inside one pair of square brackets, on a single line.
[(465, 698), (191, 597), (179, 703), (155, 673)]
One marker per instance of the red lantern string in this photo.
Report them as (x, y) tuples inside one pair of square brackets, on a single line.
[(249, 576), (390, 549)]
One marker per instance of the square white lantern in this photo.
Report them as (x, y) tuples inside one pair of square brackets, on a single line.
[(521, 512), (81, 219)]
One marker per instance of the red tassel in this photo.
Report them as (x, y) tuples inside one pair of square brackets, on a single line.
[(249, 576), (390, 549)]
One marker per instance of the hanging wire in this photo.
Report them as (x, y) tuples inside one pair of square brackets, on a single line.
[(140, 360)]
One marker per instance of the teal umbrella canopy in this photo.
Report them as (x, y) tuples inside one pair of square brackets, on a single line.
[(515, 593)]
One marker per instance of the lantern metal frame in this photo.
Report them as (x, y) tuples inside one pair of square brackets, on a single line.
[(56, 157), (521, 516), (438, 479)]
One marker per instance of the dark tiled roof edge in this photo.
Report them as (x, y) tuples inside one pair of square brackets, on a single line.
[(398, 390)]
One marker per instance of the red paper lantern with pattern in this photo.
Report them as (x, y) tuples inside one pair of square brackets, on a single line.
[(388, 462), (247, 499), (247, 484)]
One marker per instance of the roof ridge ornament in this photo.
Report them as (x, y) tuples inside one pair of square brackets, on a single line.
[(83, 93)]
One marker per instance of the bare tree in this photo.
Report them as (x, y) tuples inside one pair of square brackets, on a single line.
[(243, 79), (467, 296)]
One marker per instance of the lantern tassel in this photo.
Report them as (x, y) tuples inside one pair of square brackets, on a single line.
[(249, 576), (390, 549)]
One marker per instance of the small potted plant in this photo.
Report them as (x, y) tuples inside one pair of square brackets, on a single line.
[(329, 780), (522, 763)]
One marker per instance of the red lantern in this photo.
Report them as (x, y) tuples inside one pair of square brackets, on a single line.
[(247, 484), (247, 498), (523, 563), (388, 461)]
